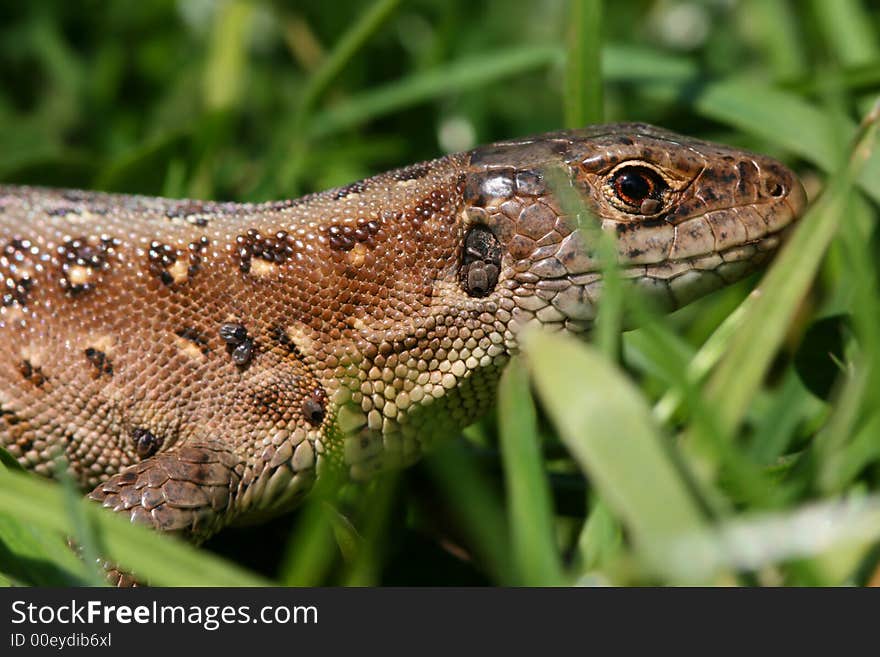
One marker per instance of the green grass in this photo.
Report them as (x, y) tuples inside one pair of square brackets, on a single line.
[(736, 441)]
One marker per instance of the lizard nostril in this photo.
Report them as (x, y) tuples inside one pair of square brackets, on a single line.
[(774, 182)]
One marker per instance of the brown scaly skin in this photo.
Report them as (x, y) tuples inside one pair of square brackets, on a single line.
[(198, 363)]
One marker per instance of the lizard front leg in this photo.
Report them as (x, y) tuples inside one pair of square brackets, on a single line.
[(196, 490), (188, 491)]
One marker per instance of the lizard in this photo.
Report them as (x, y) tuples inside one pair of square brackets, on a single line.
[(199, 364)]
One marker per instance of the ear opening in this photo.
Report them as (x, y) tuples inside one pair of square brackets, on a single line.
[(480, 261)]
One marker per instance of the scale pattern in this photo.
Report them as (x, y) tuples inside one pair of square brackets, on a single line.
[(198, 364)]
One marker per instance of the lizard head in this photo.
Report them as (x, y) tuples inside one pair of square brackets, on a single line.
[(688, 217), (506, 236)]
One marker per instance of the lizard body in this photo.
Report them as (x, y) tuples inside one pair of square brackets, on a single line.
[(197, 363)]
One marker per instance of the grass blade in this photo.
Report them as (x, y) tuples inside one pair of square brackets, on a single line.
[(478, 509), (583, 101), (743, 366), (778, 35), (309, 552), (344, 50), (466, 73), (530, 512), (762, 540), (618, 62), (601, 538), (847, 29), (365, 566), (784, 118), (608, 428), (35, 556), (226, 64), (162, 560)]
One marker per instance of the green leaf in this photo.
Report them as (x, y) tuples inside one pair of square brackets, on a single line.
[(619, 63), (8, 461), (843, 465), (583, 69), (365, 568), (841, 529), (784, 118), (226, 64), (144, 169), (847, 27), (36, 556), (477, 507), (777, 32), (608, 427), (741, 370), (601, 538), (466, 73), (161, 560), (530, 511), (357, 35)]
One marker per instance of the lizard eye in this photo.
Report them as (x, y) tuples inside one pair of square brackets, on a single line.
[(637, 189), (480, 262)]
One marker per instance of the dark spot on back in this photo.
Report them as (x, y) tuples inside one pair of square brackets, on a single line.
[(276, 249), (88, 252), (279, 334), (100, 361), (33, 374), (145, 442), (412, 172), (61, 211), (343, 237), (313, 408), (193, 212), (11, 418), (162, 257), (351, 188), (196, 253), (15, 275), (196, 337), (233, 333)]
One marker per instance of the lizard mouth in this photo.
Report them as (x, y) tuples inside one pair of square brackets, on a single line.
[(571, 300)]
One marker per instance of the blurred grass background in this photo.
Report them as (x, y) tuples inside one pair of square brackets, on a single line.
[(737, 441)]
